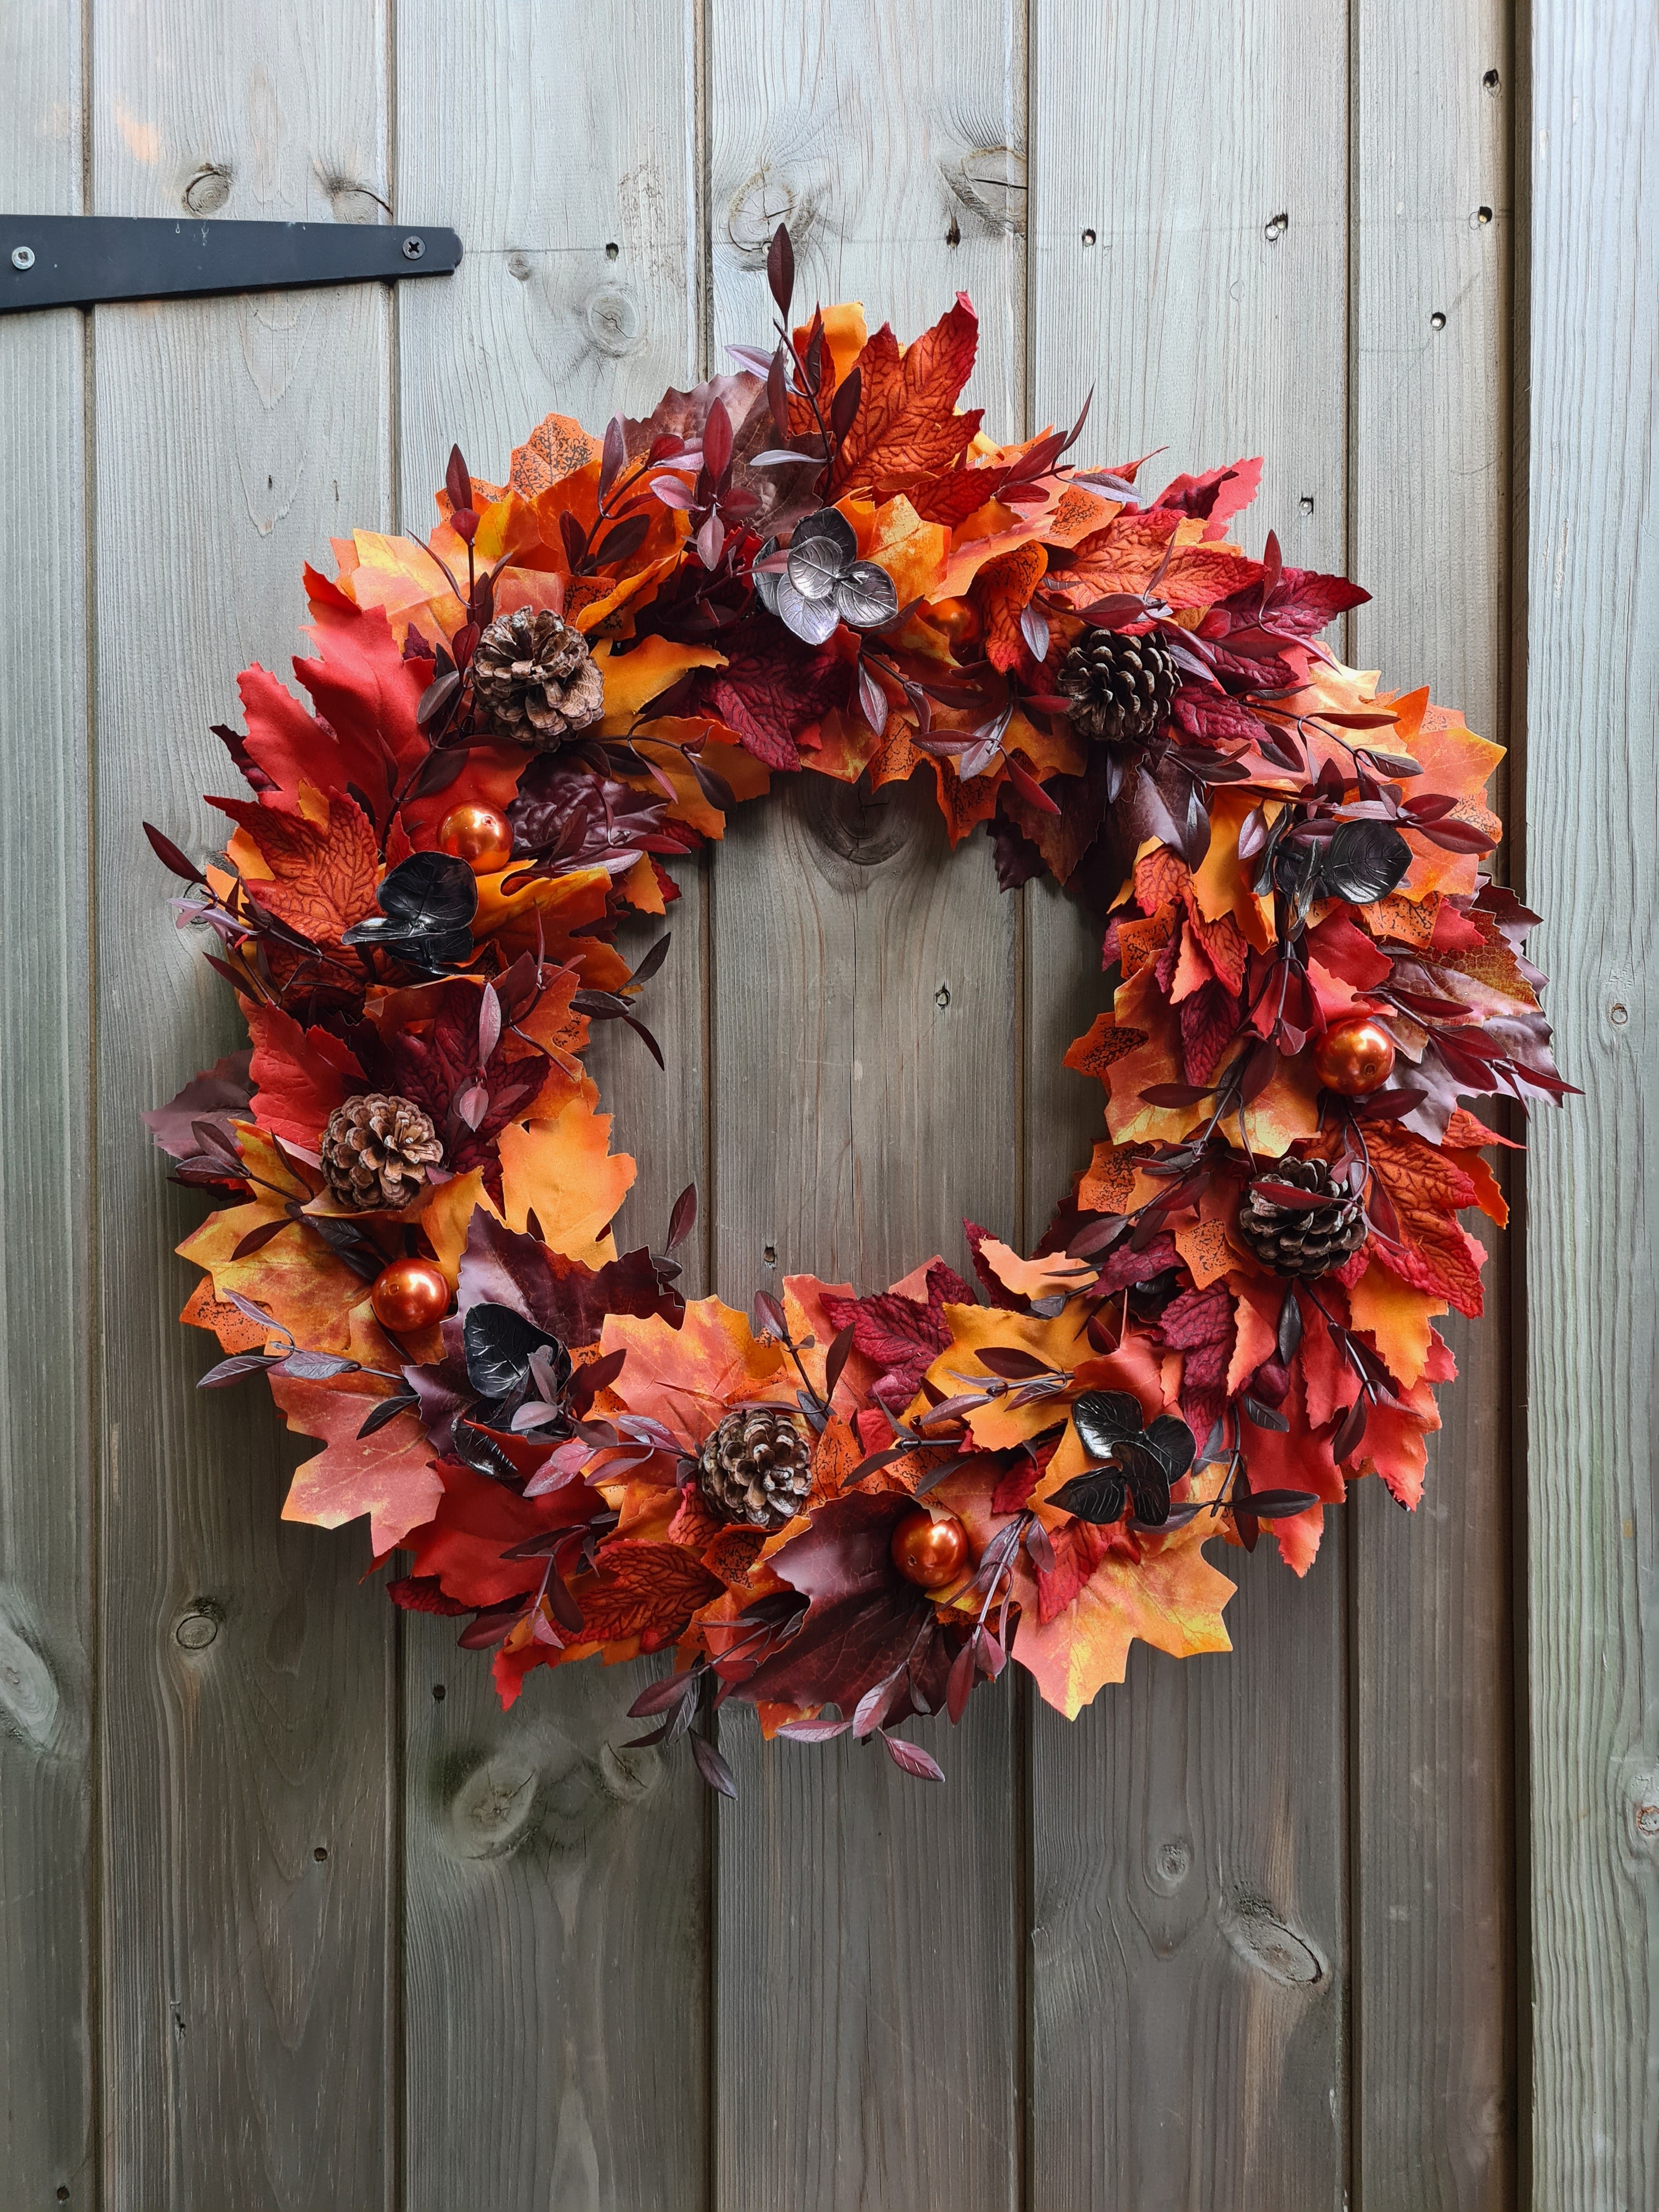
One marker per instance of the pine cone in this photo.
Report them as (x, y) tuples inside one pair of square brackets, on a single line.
[(1120, 687), (1302, 1240), (533, 675), (756, 1467), (376, 1150)]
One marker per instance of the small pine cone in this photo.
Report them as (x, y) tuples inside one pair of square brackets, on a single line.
[(756, 1467), (1120, 687), (1301, 1240), (534, 676), (376, 1150)]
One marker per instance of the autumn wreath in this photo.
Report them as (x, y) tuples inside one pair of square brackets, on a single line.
[(842, 1508)]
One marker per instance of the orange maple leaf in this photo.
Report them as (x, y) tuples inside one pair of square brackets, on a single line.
[(907, 426), (564, 1172), (1002, 592), (1435, 1252), (687, 1377), (316, 871)]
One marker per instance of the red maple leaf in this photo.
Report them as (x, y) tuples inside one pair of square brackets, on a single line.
[(770, 688), (901, 1337), (647, 1591), (1200, 1324)]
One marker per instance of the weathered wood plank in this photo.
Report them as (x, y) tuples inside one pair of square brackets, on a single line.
[(864, 984), (47, 2061), (1434, 1807), (556, 1890), (1592, 814), (1189, 1939), (246, 1684)]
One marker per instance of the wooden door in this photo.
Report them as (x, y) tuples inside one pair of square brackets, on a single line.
[(290, 1913)]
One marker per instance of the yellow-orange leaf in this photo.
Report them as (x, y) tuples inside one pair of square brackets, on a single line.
[(564, 1172)]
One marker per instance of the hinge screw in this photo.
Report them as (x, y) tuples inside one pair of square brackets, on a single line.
[(23, 257), (413, 248)]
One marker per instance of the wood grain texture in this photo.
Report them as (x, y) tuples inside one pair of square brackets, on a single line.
[(557, 1903), (1592, 813), (47, 2061), (1432, 1627), (864, 987), (246, 1680), (1189, 1959)]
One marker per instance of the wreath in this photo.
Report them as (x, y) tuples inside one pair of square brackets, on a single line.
[(842, 1508)]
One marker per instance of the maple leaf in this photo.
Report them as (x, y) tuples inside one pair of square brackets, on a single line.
[(643, 1589), (322, 874), (366, 694), (474, 1522), (557, 448), (389, 1475), (1200, 1324), (771, 687), (300, 1076), (295, 1277), (907, 425), (564, 1172), (1172, 1599), (900, 1336), (1217, 495), (1433, 1251), (1002, 592), (686, 1378)]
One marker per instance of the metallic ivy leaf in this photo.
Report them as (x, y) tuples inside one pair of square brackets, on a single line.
[(498, 1343), (1104, 1418), (865, 597), (1364, 861), (822, 550), (814, 620)]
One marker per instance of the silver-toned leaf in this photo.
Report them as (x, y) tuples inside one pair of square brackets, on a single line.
[(865, 597), (814, 620)]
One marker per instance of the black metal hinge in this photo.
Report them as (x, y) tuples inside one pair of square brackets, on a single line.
[(81, 260)]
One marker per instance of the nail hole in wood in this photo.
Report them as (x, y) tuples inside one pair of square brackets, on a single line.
[(63, 2192), (1306, 502), (1275, 227), (769, 1255), (1088, 238), (1482, 217), (942, 997), (320, 1854), (1436, 320), (437, 1693), (1491, 81), (611, 249)]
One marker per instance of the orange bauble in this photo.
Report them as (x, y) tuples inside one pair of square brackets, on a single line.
[(1354, 1056), (928, 1552), (408, 1294), (478, 835), (958, 618)]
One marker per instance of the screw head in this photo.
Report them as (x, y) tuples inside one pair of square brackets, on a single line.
[(414, 248), (23, 257)]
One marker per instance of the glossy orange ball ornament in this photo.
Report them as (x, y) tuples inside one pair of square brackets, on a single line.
[(928, 1552), (958, 618), (409, 1294), (478, 835), (1354, 1056)]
